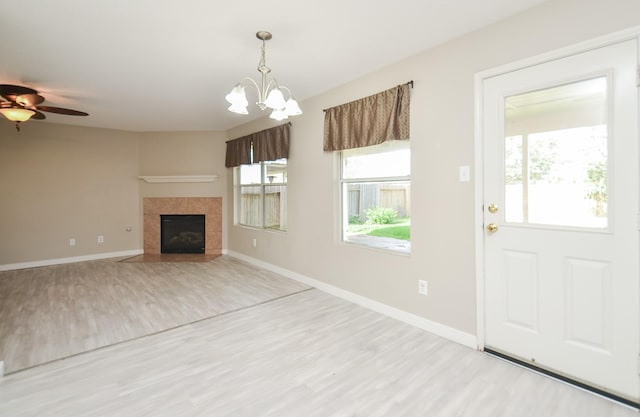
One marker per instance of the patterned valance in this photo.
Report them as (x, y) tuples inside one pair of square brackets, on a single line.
[(369, 121), (265, 145)]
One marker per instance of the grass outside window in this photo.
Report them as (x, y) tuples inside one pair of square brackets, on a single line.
[(399, 228)]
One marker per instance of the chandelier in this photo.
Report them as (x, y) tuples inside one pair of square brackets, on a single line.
[(270, 94)]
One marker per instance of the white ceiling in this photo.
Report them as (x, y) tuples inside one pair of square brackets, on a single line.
[(166, 65)]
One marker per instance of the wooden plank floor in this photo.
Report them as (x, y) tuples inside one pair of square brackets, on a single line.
[(53, 312), (303, 354)]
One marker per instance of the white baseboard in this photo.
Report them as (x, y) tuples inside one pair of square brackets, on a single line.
[(35, 264), (439, 329)]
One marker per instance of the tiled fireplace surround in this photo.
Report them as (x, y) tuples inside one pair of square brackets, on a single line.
[(211, 207)]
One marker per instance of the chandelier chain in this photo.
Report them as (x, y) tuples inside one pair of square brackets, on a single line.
[(262, 64)]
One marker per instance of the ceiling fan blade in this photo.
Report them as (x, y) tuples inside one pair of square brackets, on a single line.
[(60, 110), (38, 116), (29, 99), (11, 92)]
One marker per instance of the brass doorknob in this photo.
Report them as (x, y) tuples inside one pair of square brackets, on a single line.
[(493, 208), (492, 227)]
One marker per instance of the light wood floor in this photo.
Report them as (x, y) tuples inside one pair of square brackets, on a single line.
[(304, 353), (53, 312)]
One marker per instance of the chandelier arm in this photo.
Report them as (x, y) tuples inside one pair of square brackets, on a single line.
[(260, 93), (265, 87), (283, 87), (268, 87)]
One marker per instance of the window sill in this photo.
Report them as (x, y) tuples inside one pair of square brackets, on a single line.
[(386, 245), (259, 229), (178, 178)]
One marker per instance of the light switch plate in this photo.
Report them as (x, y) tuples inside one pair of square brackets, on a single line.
[(465, 173)]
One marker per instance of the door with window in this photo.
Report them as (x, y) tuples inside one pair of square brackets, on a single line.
[(561, 217)]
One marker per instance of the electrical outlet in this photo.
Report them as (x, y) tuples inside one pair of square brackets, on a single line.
[(422, 287), (100, 239), (72, 242), (254, 242)]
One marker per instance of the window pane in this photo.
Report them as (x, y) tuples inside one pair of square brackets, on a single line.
[(390, 159), (378, 214), (250, 206), (556, 156), (513, 178), (261, 200), (275, 207), (250, 174), (275, 172)]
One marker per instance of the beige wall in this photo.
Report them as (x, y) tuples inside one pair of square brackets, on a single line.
[(184, 153), (59, 182), (442, 139)]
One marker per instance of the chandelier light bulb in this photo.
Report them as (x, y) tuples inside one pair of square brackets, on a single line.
[(278, 114), (292, 108), (237, 96), (275, 99), (238, 108)]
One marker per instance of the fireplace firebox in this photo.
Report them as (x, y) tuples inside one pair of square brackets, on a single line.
[(182, 233)]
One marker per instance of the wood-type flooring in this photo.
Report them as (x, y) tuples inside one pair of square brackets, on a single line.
[(57, 311), (270, 347)]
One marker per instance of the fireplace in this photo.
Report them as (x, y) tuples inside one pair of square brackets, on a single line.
[(154, 207), (182, 233)]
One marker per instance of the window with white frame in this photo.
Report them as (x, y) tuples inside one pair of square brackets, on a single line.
[(376, 196), (260, 194)]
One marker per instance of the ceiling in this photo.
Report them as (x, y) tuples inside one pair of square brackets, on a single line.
[(166, 65)]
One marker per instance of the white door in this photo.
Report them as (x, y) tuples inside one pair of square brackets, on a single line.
[(561, 216)]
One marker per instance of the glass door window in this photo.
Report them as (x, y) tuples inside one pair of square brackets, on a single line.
[(555, 156)]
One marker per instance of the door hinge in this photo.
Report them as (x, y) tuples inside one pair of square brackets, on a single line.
[(638, 76)]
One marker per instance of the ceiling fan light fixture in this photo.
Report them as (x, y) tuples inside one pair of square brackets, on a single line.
[(22, 103), (17, 114), (270, 94)]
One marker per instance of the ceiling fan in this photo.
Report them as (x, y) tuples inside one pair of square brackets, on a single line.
[(23, 103)]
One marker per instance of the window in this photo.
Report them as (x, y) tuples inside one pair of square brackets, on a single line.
[(261, 195), (376, 196), (556, 150)]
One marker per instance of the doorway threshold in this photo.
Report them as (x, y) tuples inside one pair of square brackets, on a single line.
[(565, 379)]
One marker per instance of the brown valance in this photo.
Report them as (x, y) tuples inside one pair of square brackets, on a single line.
[(265, 145), (238, 152), (369, 121)]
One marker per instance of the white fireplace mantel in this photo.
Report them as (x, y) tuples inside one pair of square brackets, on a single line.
[(178, 178)]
